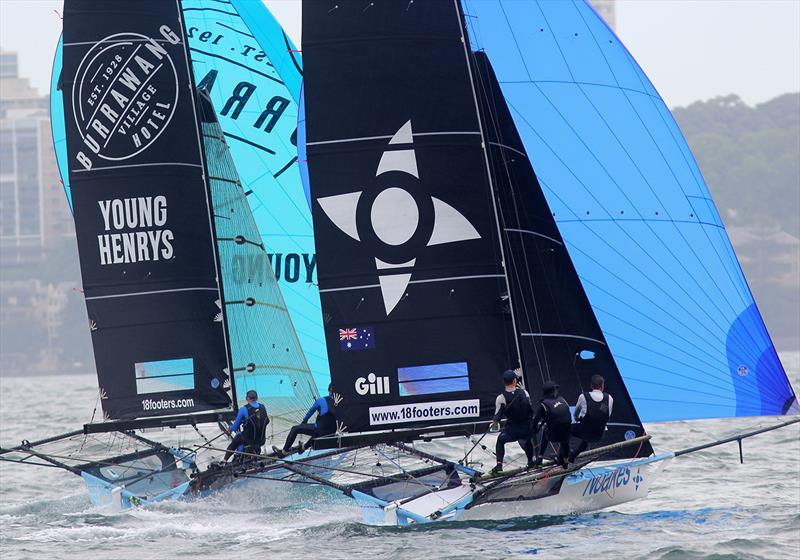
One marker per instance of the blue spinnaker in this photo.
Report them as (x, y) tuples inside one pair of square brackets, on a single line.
[(635, 212), (237, 58), (283, 54)]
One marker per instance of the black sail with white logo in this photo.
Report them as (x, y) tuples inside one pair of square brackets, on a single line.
[(559, 337), (413, 290), (144, 230)]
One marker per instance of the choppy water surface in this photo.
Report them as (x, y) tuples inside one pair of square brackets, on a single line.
[(705, 505)]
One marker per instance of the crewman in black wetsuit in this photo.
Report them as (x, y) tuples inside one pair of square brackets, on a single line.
[(552, 413), (252, 419), (325, 407), (515, 404), (592, 412)]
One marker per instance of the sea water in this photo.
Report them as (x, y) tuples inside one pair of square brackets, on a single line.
[(705, 505)]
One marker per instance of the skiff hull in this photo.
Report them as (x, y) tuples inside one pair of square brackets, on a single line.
[(588, 489)]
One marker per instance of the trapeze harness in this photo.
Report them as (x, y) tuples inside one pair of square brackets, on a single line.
[(556, 417), (326, 423), (518, 413), (254, 431), (593, 422)]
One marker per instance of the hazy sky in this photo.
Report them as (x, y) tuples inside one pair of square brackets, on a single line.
[(690, 49)]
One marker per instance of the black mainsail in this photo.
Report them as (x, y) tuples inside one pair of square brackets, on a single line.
[(410, 143), (410, 261), (144, 229)]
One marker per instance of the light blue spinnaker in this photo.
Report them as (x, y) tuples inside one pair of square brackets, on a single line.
[(629, 199), (238, 58)]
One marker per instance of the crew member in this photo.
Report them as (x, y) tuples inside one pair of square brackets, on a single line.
[(252, 419), (592, 412), (515, 404), (552, 413), (325, 423)]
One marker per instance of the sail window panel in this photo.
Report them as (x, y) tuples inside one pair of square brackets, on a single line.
[(164, 375), (431, 379)]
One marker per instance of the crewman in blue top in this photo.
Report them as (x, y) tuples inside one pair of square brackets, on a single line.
[(252, 419), (324, 425)]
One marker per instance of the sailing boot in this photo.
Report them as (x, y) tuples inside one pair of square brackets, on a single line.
[(498, 469)]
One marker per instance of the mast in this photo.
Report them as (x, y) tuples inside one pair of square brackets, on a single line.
[(467, 51), (211, 225)]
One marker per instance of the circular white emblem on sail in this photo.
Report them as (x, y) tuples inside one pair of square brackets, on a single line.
[(124, 95), (742, 370), (395, 215)]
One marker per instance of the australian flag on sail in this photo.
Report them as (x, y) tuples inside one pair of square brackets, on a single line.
[(357, 338)]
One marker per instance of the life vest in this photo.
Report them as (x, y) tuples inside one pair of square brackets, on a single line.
[(326, 423), (557, 412), (518, 408), (254, 432), (593, 423)]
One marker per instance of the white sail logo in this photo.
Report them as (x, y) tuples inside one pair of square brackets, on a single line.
[(395, 217), (124, 95), (372, 385)]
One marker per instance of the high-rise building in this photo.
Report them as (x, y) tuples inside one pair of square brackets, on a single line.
[(33, 210), (608, 10)]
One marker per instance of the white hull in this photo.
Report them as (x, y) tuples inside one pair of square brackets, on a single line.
[(589, 489)]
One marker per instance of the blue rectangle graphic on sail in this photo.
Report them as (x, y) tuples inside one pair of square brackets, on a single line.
[(431, 379), (357, 338), (164, 375)]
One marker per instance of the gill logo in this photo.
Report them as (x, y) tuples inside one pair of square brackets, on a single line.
[(401, 221), (372, 385)]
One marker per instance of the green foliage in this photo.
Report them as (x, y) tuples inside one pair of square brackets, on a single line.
[(750, 157)]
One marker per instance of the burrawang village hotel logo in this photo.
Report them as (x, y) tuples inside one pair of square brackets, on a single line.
[(124, 95)]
